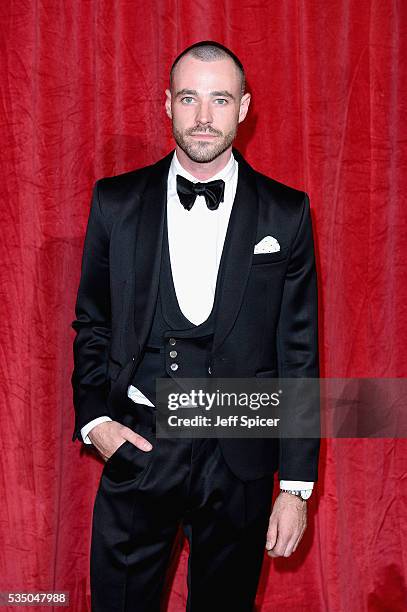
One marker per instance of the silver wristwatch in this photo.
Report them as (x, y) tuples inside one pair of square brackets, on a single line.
[(304, 494)]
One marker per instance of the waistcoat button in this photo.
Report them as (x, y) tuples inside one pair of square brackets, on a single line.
[(172, 341), (174, 366), (173, 354)]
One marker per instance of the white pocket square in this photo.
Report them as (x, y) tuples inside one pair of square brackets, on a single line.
[(268, 244)]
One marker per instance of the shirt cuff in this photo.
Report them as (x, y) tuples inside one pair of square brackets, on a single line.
[(89, 426), (296, 485)]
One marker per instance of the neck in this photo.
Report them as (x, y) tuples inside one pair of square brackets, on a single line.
[(203, 171)]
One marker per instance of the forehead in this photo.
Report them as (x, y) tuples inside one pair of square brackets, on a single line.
[(192, 73)]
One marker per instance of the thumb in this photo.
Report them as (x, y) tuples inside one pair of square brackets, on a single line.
[(271, 534)]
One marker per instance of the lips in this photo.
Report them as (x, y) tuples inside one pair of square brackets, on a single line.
[(204, 135)]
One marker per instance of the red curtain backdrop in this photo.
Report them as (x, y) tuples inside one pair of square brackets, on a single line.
[(82, 98)]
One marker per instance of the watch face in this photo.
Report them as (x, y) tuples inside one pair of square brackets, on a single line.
[(306, 494)]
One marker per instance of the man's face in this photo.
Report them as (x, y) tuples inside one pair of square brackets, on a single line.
[(205, 106)]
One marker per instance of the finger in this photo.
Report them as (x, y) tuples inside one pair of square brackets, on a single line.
[(275, 552), (271, 535), (139, 441), (290, 546), (278, 549), (301, 533), (294, 541), (298, 539)]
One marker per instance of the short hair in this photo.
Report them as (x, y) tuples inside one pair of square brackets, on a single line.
[(208, 51)]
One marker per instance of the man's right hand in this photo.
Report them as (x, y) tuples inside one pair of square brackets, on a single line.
[(108, 436)]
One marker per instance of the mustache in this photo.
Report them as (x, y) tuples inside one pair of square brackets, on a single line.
[(193, 131)]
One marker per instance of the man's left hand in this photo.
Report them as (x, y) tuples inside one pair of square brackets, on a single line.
[(287, 524)]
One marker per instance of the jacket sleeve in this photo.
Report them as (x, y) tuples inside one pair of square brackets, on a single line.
[(297, 349), (92, 323)]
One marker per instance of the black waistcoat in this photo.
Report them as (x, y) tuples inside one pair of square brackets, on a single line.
[(175, 346)]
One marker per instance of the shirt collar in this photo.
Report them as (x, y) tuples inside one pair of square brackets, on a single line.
[(226, 173)]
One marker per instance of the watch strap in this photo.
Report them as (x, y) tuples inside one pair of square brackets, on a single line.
[(304, 495)]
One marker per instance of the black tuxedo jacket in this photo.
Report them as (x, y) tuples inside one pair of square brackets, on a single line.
[(267, 321)]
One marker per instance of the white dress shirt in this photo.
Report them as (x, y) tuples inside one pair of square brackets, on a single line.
[(195, 239)]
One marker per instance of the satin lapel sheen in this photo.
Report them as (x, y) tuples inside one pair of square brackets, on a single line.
[(237, 258), (149, 246)]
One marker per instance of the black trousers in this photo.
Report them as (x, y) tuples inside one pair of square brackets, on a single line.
[(144, 497)]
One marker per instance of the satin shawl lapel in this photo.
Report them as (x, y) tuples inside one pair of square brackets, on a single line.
[(149, 246), (236, 257), (237, 252)]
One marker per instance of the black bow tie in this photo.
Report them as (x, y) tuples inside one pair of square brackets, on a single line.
[(213, 192)]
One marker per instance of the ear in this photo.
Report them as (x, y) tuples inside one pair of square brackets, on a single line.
[(168, 103), (244, 106)]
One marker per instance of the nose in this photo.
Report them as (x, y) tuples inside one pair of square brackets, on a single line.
[(204, 114)]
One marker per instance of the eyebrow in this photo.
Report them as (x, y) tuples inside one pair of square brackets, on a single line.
[(193, 92)]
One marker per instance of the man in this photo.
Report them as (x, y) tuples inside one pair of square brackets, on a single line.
[(196, 266)]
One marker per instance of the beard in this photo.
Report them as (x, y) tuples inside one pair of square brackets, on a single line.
[(203, 151)]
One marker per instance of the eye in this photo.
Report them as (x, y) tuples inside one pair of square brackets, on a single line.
[(187, 100), (222, 101)]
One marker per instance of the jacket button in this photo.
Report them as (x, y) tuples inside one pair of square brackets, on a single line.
[(174, 366), (172, 341)]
